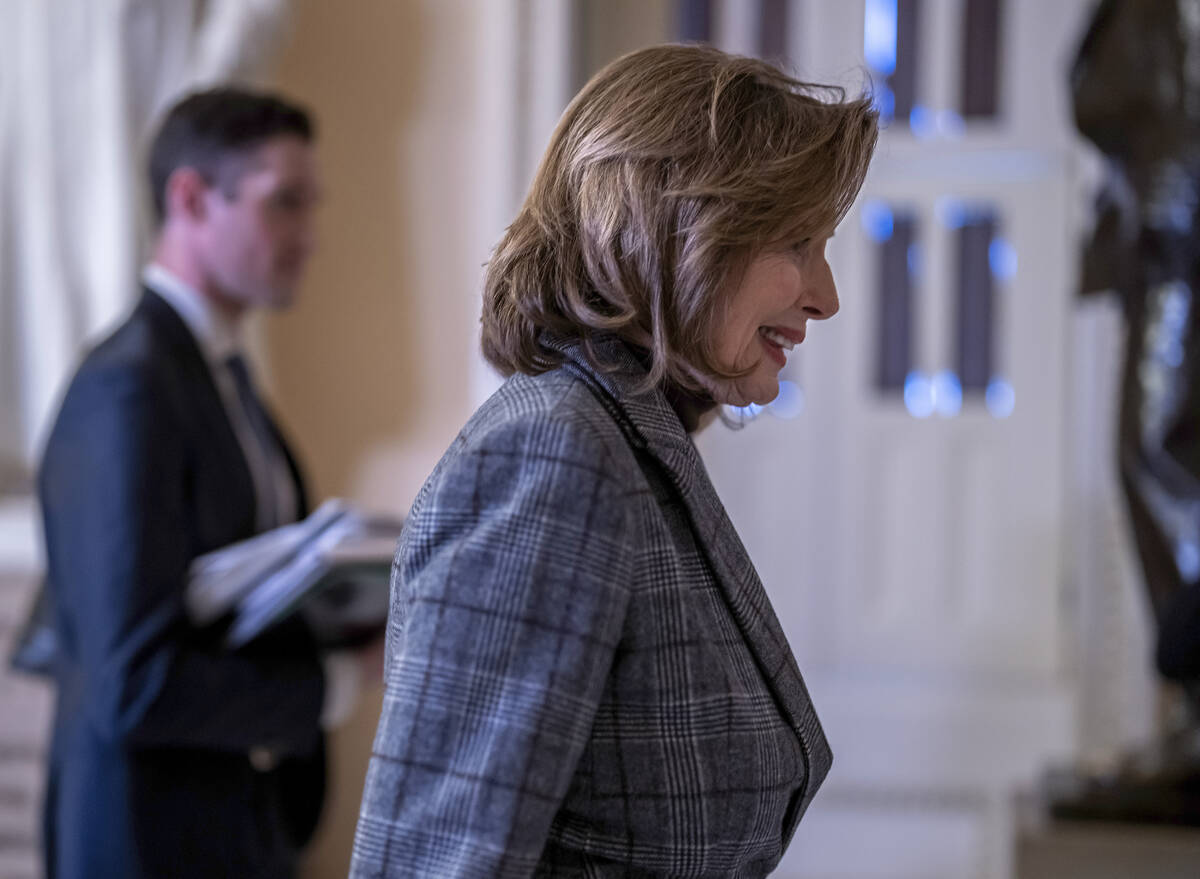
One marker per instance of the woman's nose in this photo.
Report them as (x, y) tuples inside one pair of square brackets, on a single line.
[(820, 297)]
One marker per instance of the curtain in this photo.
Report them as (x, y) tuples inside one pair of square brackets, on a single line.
[(82, 84)]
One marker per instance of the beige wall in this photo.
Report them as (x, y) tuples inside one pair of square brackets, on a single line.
[(371, 370)]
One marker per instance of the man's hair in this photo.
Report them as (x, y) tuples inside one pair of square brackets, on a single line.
[(670, 171), (214, 131)]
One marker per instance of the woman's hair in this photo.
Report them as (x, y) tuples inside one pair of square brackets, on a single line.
[(671, 169)]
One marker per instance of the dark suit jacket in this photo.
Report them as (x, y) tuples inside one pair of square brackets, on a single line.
[(584, 674), (150, 770)]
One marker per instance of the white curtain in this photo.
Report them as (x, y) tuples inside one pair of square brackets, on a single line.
[(82, 83)]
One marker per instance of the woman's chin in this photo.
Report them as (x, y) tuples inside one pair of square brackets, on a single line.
[(758, 395)]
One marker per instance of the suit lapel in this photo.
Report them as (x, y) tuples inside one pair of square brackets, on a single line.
[(293, 465), (203, 400), (170, 327), (663, 436)]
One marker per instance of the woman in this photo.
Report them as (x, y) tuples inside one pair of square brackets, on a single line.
[(584, 675)]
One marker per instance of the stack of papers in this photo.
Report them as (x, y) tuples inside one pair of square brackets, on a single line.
[(333, 568)]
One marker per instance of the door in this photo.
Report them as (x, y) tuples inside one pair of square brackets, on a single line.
[(905, 502)]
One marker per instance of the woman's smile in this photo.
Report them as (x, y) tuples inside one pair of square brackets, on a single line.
[(777, 340)]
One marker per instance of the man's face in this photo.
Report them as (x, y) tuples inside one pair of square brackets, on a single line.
[(258, 227)]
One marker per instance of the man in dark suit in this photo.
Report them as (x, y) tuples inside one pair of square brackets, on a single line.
[(172, 756)]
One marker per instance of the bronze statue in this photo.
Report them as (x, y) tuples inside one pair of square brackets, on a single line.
[(1136, 89)]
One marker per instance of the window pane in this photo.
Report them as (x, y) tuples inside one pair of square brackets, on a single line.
[(975, 299), (694, 20), (904, 80), (890, 46), (773, 29), (895, 233), (981, 58)]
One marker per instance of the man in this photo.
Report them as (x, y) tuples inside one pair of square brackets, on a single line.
[(172, 756)]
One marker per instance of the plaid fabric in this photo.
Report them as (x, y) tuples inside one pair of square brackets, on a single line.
[(584, 675)]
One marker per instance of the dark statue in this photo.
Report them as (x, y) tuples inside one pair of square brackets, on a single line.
[(1136, 89)]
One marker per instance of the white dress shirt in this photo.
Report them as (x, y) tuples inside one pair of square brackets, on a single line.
[(219, 339)]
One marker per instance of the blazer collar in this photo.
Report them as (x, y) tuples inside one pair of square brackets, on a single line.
[(650, 421), (204, 399), (217, 336)]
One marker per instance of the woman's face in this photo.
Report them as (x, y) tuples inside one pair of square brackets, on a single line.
[(767, 315)]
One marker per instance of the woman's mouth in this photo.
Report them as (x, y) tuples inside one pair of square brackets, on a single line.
[(777, 340)]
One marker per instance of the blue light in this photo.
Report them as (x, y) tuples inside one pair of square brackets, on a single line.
[(744, 414), (789, 403), (953, 213), (885, 102), (947, 393), (1187, 558), (914, 260), (878, 221), (1002, 258), (879, 35), (950, 123), (922, 122), (918, 394), (1000, 398)]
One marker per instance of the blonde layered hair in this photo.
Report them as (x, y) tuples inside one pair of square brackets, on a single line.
[(669, 172)]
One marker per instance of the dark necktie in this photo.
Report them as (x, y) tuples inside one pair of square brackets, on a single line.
[(263, 435)]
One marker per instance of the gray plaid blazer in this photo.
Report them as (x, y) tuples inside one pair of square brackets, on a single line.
[(584, 675)]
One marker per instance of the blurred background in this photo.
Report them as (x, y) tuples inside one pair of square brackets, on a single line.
[(931, 501)]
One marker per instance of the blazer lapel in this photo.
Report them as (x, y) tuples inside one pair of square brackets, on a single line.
[(662, 433), (204, 399)]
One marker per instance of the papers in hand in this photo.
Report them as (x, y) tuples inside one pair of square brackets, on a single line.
[(332, 567)]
